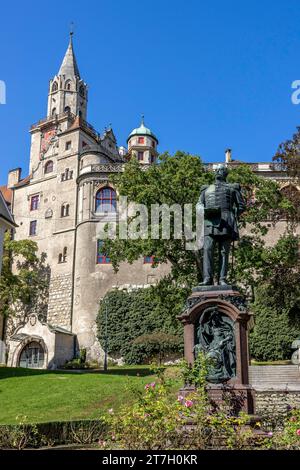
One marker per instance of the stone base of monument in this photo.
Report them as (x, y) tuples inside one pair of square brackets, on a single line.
[(215, 321)]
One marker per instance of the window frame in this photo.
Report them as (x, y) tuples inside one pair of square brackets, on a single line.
[(101, 257), (34, 202), (108, 202), (32, 228)]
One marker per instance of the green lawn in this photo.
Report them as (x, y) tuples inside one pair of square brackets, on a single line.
[(44, 396)]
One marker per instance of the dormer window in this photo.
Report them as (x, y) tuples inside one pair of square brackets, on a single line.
[(81, 90)]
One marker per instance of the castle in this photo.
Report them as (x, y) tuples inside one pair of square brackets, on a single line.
[(68, 191)]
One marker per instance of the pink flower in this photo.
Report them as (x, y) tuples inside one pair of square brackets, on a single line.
[(180, 398), (293, 418), (152, 385), (188, 403), (147, 386), (270, 434), (298, 432)]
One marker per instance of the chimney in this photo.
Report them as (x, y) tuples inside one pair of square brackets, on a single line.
[(14, 177), (228, 155)]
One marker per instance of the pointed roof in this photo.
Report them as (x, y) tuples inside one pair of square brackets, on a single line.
[(5, 215), (69, 65)]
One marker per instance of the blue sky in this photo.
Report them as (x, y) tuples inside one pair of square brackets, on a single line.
[(207, 75)]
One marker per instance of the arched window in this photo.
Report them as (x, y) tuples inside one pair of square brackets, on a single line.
[(65, 210), (49, 167), (54, 112), (55, 86), (106, 200), (68, 85), (32, 356), (62, 257)]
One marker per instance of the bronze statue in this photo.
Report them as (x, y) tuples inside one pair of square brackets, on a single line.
[(223, 203)]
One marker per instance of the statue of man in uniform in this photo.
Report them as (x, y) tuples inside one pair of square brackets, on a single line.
[(223, 203)]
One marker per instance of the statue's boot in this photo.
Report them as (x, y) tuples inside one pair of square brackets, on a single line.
[(223, 282), (207, 282)]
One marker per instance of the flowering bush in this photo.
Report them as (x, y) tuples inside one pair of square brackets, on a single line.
[(289, 437), (158, 420)]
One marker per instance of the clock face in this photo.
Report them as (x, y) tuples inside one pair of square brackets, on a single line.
[(46, 141)]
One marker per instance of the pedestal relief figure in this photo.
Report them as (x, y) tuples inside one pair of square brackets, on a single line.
[(215, 337)]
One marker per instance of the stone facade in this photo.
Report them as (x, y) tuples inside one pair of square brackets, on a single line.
[(60, 301)]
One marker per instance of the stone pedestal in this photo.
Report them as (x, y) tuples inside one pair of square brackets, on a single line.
[(230, 303)]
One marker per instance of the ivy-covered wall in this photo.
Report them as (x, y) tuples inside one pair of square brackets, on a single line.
[(277, 324), (141, 312)]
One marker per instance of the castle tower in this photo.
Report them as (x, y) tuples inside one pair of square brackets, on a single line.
[(142, 143), (67, 91)]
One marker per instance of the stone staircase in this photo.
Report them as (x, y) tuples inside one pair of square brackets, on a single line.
[(275, 377)]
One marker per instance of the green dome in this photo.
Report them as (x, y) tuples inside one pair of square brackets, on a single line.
[(143, 131)]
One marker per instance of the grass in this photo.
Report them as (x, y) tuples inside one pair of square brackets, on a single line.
[(43, 396), (270, 363)]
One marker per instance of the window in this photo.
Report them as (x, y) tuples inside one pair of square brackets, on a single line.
[(153, 144), (67, 109), (54, 112), (148, 259), (34, 203), (49, 167), (141, 140), (54, 86), (67, 175), (65, 210), (84, 144), (106, 200), (68, 145), (68, 85), (32, 227), (152, 158), (101, 257), (140, 156), (62, 258)]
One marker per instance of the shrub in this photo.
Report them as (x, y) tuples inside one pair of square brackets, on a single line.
[(277, 324)]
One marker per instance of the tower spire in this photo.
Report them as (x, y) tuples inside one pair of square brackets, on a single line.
[(69, 65)]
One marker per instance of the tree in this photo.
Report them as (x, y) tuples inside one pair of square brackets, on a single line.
[(288, 158), (25, 287), (177, 180)]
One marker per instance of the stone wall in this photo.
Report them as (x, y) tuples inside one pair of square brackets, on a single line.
[(60, 301), (276, 402)]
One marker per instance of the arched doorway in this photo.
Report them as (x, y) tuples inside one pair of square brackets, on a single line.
[(32, 356)]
